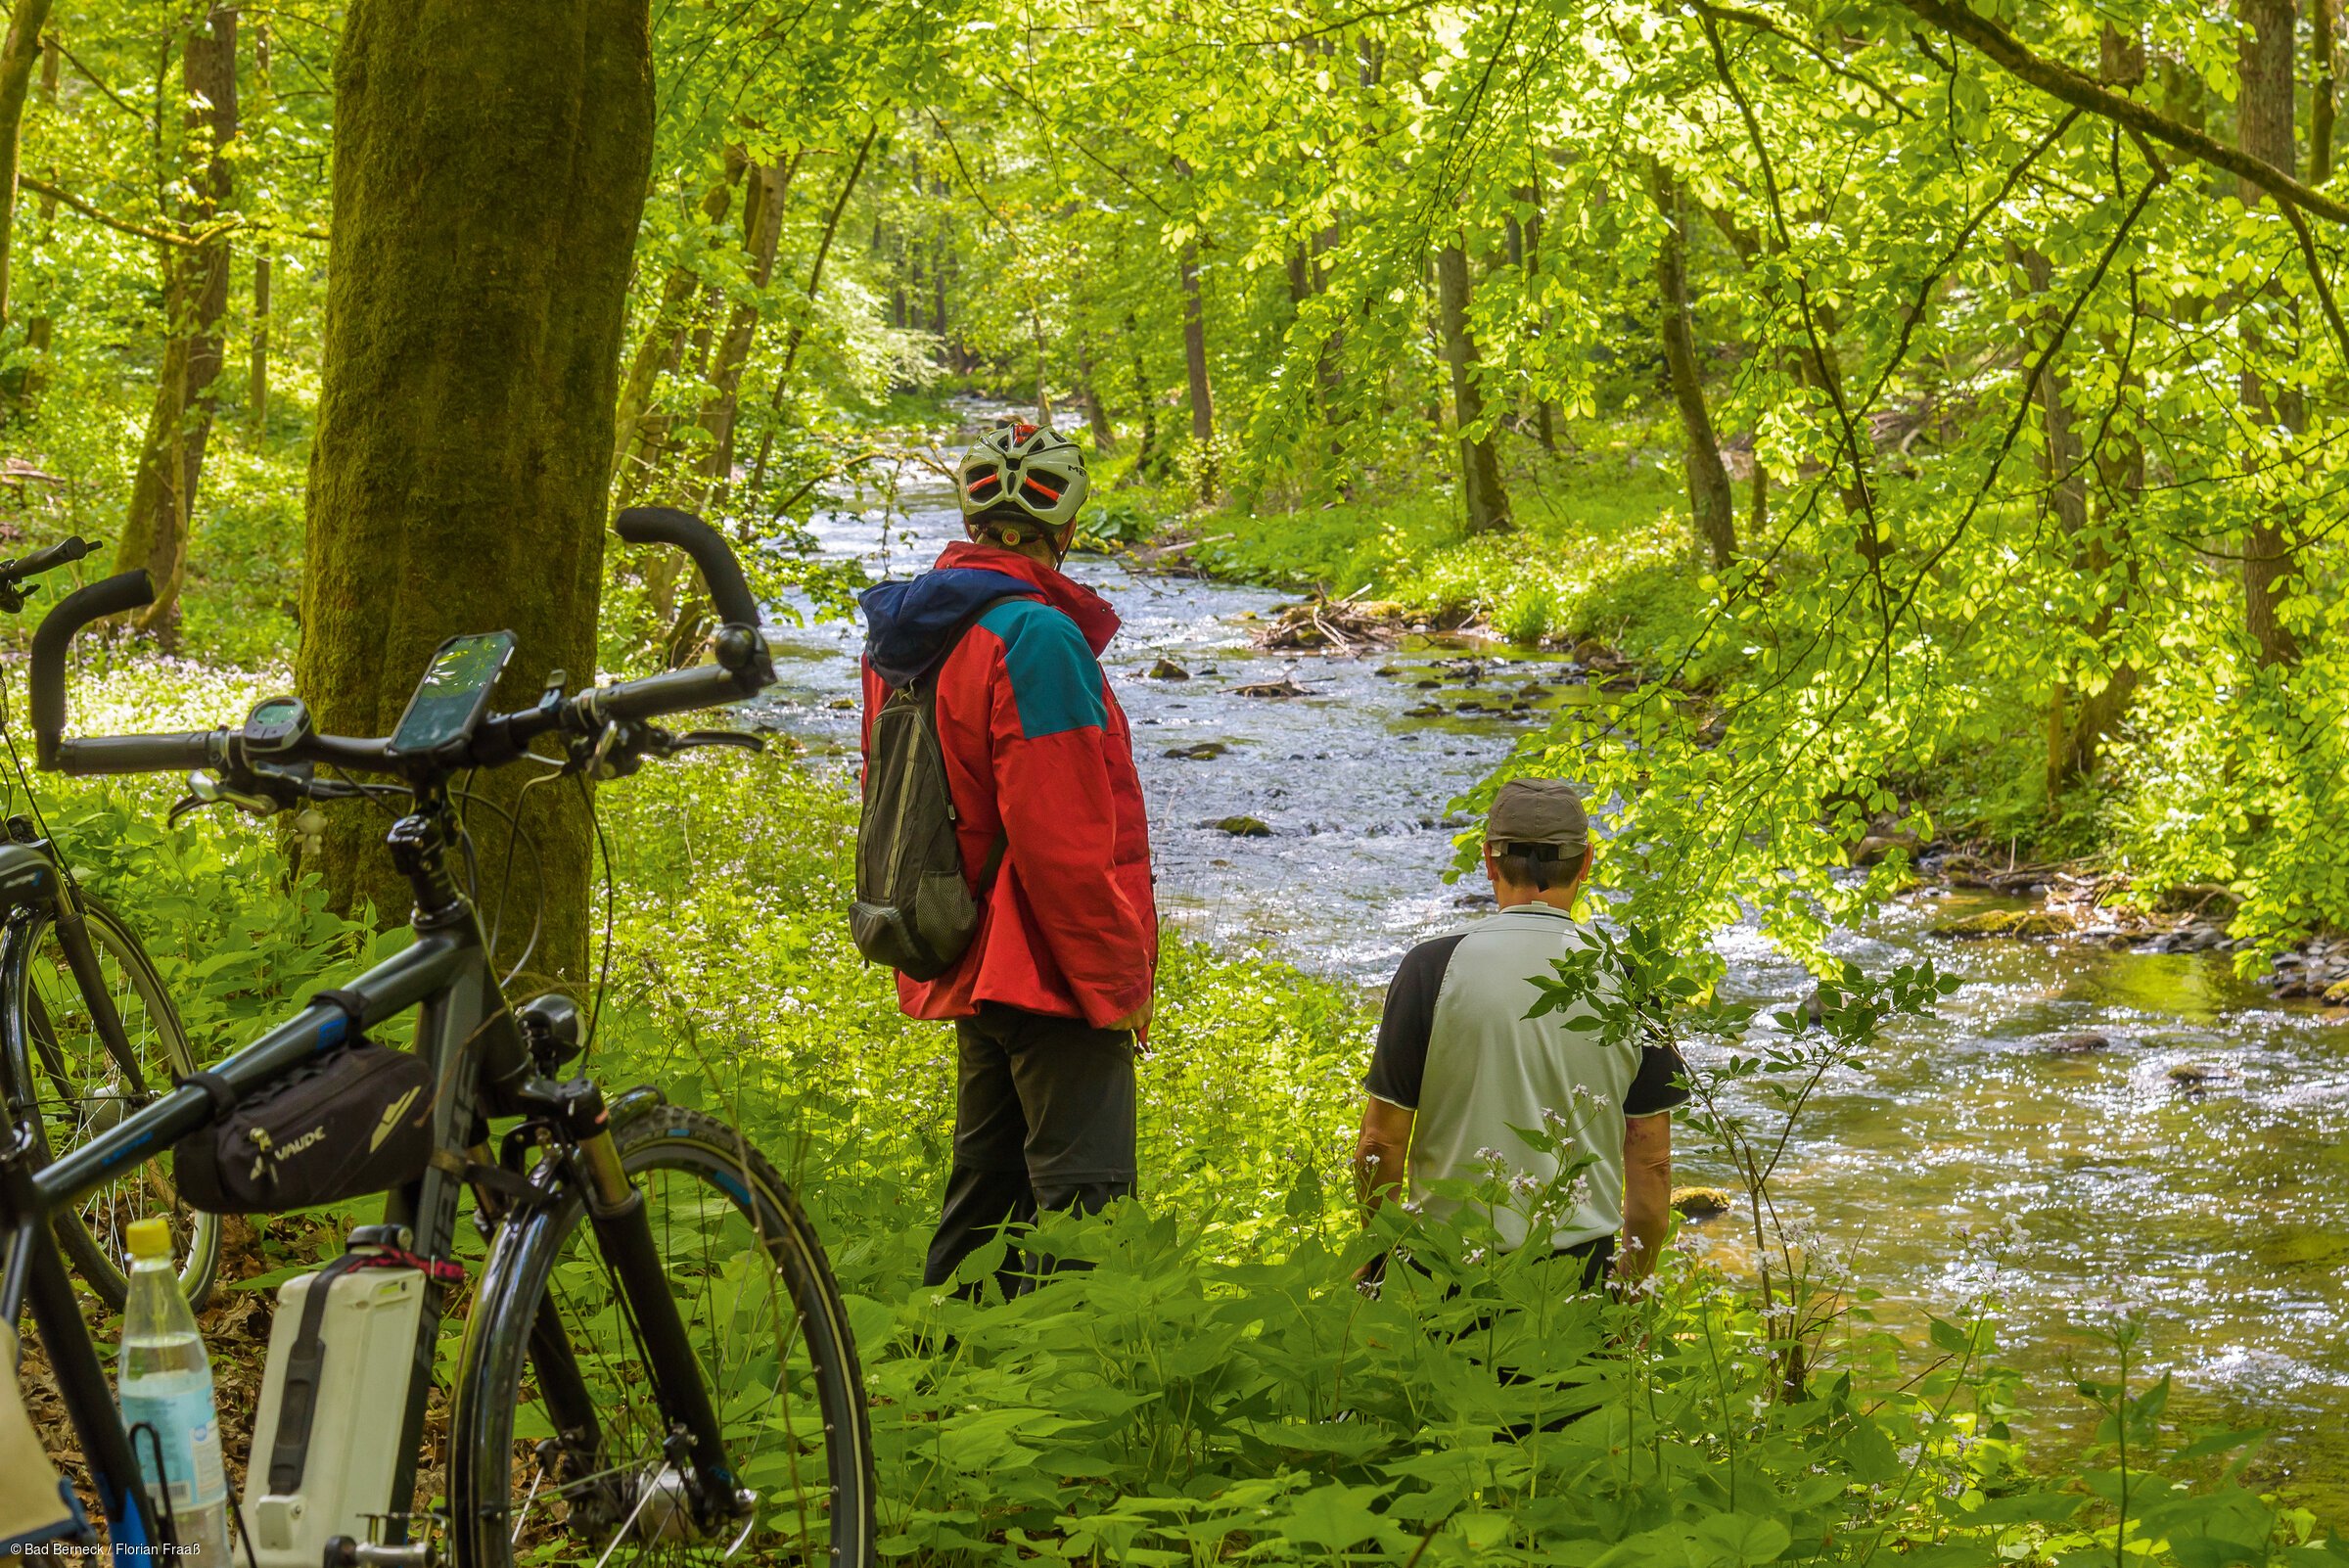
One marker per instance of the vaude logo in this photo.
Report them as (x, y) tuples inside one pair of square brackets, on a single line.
[(391, 1114), (282, 1152)]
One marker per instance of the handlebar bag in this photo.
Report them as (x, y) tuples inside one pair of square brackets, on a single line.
[(356, 1120)]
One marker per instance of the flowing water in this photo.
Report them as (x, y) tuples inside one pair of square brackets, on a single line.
[(2220, 1209)]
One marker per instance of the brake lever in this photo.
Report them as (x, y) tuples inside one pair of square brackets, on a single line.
[(204, 790), (718, 737)]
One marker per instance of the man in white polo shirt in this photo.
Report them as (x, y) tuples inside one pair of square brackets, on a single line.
[(1459, 1068)]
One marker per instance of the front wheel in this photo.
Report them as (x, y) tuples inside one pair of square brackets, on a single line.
[(560, 1452), (69, 1086)]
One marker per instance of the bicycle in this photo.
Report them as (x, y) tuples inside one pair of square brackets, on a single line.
[(86, 1030), (589, 1410)]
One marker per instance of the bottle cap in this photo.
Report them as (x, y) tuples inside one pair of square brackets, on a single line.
[(150, 1238)]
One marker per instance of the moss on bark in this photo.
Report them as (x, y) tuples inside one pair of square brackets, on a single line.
[(489, 171)]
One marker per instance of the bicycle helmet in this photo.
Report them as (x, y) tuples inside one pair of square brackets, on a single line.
[(1022, 470)]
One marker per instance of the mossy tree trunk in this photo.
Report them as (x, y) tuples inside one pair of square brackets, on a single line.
[(179, 424), (489, 171)]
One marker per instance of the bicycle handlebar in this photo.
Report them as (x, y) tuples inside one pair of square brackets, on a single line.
[(721, 573), (742, 667), (77, 610), (63, 553)]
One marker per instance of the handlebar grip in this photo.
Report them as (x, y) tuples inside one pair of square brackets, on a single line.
[(63, 553), (85, 755), (680, 691), (721, 573), (127, 591)]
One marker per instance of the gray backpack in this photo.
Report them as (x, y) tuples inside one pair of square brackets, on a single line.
[(914, 910)]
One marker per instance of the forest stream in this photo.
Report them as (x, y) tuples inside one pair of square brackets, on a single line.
[(1986, 1150)]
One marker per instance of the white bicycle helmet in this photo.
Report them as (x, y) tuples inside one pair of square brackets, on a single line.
[(1022, 469)]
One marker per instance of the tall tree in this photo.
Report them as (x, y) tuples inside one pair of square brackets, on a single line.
[(179, 424), (489, 169), (2263, 130), (257, 366), (2325, 50), (1481, 488), (21, 48), (1710, 501), (1194, 364)]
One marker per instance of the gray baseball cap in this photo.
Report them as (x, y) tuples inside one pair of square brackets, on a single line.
[(1540, 811)]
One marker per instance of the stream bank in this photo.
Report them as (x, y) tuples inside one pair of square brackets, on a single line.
[(2192, 1163)]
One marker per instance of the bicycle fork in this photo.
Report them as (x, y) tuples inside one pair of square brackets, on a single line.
[(625, 1234)]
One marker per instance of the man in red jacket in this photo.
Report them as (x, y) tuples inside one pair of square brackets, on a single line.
[(1054, 990)]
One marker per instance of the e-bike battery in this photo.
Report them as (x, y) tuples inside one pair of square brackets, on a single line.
[(334, 1396)]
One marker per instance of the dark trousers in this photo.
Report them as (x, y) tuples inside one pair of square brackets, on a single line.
[(1044, 1120)]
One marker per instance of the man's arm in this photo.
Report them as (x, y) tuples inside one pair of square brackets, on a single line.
[(1646, 1192), (1379, 1155)]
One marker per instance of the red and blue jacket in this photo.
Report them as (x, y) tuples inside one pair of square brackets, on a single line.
[(1038, 750)]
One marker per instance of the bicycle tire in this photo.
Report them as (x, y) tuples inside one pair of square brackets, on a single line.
[(502, 1513), (36, 985)]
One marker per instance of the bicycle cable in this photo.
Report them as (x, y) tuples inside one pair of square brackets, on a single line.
[(603, 977)]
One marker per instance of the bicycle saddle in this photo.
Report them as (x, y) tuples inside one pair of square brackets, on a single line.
[(27, 876)]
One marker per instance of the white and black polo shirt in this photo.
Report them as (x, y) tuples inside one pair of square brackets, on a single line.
[(1455, 1046)]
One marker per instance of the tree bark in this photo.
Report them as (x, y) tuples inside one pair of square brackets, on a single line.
[(256, 370), (799, 328), (2263, 130), (2325, 25), (17, 53), (640, 436), (1149, 459), (489, 171), (762, 228), (179, 425), (2064, 480), (1194, 364), (38, 329), (1710, 500), (1088, 392), (1487, 502)]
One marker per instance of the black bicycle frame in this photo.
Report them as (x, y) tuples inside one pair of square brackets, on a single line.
[(466, 1031)]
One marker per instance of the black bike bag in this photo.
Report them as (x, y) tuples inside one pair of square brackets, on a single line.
[(356, 1120)]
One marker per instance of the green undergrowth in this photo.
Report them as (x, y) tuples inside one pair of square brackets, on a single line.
[(1216, 1389)]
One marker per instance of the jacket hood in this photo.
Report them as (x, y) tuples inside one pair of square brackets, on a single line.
[(909, 622)]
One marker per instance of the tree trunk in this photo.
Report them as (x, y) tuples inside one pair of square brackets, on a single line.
[(257, 375), (256, 370), (1088, 392), (799, 328), (1710, 500), (2324, 23), (179, 425), (1150, 458), (36, 329), (2065, 483), (762, 228), (490, 171), (1194, 364), (18, 52), (2264, 129), (1488, 503), (640, 435)]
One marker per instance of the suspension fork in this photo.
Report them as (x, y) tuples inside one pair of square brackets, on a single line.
[(625, 1233)]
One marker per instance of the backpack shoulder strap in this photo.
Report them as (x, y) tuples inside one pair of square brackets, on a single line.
[(923, 689)]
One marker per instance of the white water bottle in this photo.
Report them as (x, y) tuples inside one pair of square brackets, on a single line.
[(166, 1381)]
